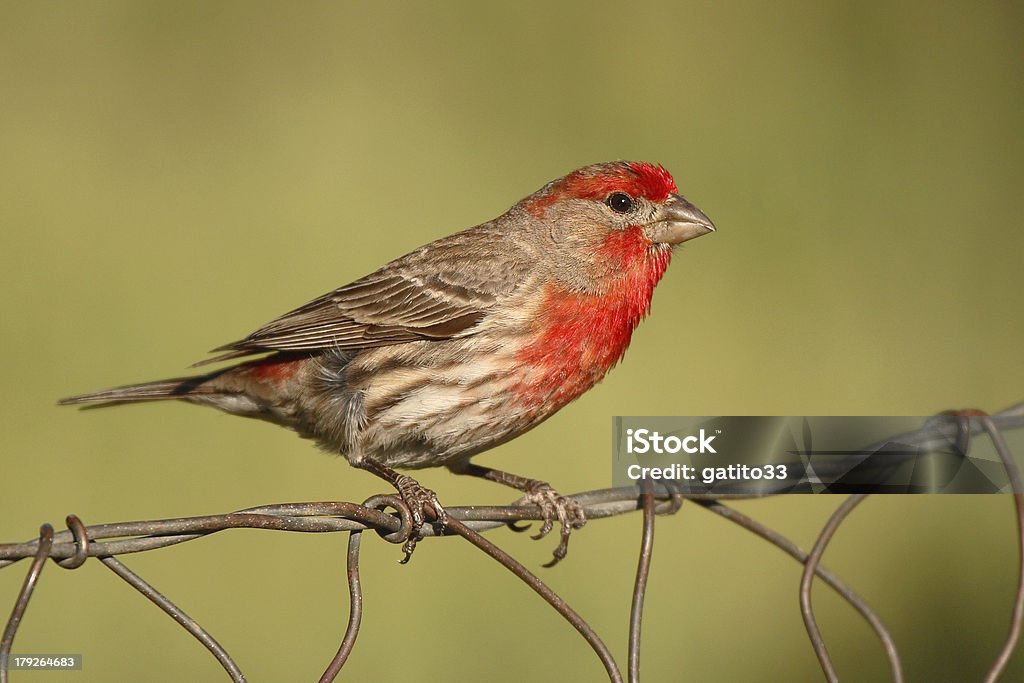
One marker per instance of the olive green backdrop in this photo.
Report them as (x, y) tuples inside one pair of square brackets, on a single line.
[(175, 174)]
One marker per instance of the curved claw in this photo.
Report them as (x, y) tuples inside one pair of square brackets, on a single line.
[(554, 507), (546, 528), (420, 500), (563, 546), (407, 548), (517, 527)]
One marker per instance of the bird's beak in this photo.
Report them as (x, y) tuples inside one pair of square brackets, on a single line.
[(678, 220)]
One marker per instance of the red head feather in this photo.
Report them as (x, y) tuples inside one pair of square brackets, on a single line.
[(637, 178)]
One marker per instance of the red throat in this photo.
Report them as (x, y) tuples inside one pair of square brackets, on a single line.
[(584, 335)]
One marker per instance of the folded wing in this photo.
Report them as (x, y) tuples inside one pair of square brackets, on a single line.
[(437, 292)]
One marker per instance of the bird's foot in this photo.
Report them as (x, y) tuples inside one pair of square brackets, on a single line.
[(554, 506), (423, 504)]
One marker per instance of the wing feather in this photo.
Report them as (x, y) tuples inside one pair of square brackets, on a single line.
[(439, 291)]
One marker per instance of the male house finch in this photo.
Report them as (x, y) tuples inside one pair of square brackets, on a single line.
[(464, 343)]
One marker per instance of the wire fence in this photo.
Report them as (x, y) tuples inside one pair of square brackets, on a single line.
[(71, 548)]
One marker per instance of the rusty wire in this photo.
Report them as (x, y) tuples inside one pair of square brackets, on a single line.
[(810, 564), (643, 571), (71, 548)]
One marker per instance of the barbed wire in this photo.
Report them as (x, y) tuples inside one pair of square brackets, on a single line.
[(71, 548)]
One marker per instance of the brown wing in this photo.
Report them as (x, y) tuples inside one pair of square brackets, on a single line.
[(439, 291)]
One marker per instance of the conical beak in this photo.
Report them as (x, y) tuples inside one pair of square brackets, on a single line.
[(677, 221)]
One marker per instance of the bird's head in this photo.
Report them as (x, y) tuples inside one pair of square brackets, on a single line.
[(613, 217)]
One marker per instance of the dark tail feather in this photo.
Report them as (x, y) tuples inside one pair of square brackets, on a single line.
[(149, 391)]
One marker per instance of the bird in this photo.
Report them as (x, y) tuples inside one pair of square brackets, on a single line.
[(462, 344)]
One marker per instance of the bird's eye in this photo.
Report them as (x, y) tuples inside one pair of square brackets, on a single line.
[(620, 202)]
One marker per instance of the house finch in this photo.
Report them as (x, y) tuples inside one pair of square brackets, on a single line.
[(464, 343)]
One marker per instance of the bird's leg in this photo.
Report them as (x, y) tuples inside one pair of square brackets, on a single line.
[(419, 498), (553, 506)]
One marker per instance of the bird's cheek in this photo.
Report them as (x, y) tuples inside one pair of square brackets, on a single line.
[(623, 248)]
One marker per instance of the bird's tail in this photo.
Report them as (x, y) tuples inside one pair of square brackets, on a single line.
[(179, 388), (257, 388)]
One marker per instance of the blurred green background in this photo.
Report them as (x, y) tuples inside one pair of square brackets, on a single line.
[(175, 174)]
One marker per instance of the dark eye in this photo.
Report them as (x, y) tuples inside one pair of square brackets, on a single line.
[(620, 202)]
